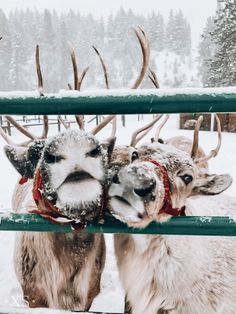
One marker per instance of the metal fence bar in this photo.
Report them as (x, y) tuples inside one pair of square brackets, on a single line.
[(23, 310), (131, 102), (212, 226)]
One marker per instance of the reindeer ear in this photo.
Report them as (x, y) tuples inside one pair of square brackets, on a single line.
[(25, 159), (212, 184), (109, 145)]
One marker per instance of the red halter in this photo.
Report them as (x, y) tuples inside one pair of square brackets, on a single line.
[(167, 204), (48, 209)]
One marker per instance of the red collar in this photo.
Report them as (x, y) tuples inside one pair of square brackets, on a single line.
[(167, 203), (48, 209)]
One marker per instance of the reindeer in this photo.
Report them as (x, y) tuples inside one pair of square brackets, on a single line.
[(169, 274), (67, 174), (60, 270), (64, 178)]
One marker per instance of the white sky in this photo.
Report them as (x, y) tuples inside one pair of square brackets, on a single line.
[(196, 11)]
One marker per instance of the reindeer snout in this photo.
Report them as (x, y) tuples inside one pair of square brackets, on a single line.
[(145, 192)]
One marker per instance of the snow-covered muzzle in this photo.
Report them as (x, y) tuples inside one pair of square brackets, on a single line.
[(139, 191), (72, 166)]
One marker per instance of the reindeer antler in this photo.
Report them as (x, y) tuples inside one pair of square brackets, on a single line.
[(77, 86), (158, 131), (38, 69), (40, 89), (214, 152), (152, 76), (196, 137), (102, 124), (105, 73), (104, 68), (145, 47), (135, 139)]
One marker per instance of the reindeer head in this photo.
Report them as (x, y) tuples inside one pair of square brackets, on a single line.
[(72, 166), (155, 185)]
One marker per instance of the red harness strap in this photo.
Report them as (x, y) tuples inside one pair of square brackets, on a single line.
[(167, 204), (47, 209)]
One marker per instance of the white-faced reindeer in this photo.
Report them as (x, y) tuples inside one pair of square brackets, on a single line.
[(67, 174), (169, 274)]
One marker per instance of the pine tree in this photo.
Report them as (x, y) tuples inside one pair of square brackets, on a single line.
[(170, 32), (5, 53), (156, 31), (206, 50), (222, 67)]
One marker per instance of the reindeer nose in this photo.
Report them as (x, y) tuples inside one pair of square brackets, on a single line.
[(146, 191)]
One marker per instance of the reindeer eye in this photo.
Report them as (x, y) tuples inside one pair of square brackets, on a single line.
[(95, 152), (187, 178), (134, 156), (52, 159)]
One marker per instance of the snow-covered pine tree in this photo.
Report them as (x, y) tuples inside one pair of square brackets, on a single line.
[(5, 52), (222, 67), (206, 51)]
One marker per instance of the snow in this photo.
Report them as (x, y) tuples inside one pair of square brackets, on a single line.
[(163, 92), (111, 297)]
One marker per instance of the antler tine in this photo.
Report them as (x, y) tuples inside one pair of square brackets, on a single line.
[(105, 73), (102, 124), (77, 85), (82, 76), (20, 128), (196, 138), (152, 76), (75, 69), (214, 152), (114, 127), (145, 47), (40, 89), (80, 121), (158, 131), (39, 72), (135, 139), (103, 67)]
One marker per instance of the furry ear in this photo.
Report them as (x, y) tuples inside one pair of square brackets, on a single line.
[(109, 145), (25, 159), (212, 184)]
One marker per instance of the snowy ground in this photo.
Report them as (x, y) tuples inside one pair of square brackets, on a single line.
[(111, 296)]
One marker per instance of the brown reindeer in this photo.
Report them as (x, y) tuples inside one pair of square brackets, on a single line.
[(169, 274), (68, 176)]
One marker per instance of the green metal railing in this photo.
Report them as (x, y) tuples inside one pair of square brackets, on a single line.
[(131, 102), (202, 225)]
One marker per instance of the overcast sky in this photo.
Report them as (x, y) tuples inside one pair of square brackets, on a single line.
[(196, 11)]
